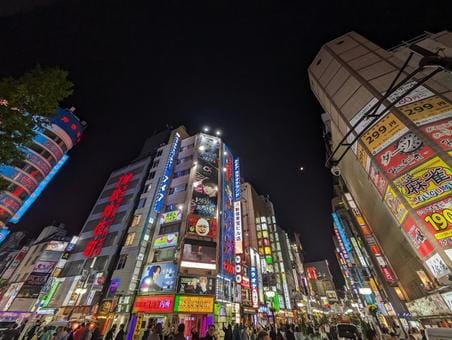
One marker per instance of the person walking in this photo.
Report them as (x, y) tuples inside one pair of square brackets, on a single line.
[(111, 333), (180, 332), (227, 332), (121, 334)]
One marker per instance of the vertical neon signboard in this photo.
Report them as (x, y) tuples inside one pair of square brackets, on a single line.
[(238, 237), (30, 200), (166, 175), (227, 250)]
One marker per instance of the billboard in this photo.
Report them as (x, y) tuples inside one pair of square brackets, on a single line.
[(44, 267), (416, 236), (171, 216), (56, 246), (194, 304), (165, 241), (154, 304), (202, 226), (159, 277), (201, 285), (437, 266), (395, 205), (405, 153), (384, 132), (417, 94), (425, 183), (437, 218), (205, 190), (228, 223), (427, 110), (378, 179), (199, 255), (440, 133)]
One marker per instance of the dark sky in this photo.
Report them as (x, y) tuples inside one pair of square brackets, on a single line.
[(137, 66)]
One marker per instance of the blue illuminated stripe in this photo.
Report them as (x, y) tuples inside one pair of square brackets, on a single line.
[(3, 234), (342, 233), (30, 200)]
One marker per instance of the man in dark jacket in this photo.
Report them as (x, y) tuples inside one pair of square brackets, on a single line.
[(121, 334)]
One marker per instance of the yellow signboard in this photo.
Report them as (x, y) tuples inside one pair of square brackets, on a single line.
[(427, 110), (383, 133), (426, 183), (194, 304), (398, 210), (363, 157)]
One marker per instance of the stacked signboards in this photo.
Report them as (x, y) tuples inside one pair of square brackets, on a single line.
[(406, 154)]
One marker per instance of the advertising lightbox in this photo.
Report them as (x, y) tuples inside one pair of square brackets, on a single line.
[(158, 277)]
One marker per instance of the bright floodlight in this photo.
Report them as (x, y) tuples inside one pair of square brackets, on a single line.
[(218, 133), (180, 207), (301, 168), (206, 129)]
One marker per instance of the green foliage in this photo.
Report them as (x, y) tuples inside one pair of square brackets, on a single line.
[(25, 102)]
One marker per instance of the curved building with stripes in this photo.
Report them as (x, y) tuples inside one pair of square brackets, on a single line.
[(43, 158)]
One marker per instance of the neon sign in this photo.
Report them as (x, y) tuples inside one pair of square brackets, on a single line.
[(154, 304), (94, 246), (254, 295), (30, 200), (228, 247), (340, 229), (236, 179), (166, 176)]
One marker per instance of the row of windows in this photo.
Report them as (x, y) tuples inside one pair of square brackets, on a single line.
[(187, 147), (151, 175), (43, 152), (17, 191), (179, 188), (55, 138), (181, 173), (29, 169), (75, 268)]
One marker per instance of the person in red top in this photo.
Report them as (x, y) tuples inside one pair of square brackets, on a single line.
[(79, 332)]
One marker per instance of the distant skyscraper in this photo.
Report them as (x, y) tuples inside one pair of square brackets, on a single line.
[(398, 171), (43, 158)]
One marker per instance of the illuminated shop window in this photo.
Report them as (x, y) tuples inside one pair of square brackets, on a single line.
[(265, 234), (268, 250), (269, 220), (129, 240), (274, 220), (136, 220), (264, 226), (259, 234), (282, 267), (259, 243), (269, 259), (261, 251), (263, 219), (266, 242), (258, 227), (258, 220)]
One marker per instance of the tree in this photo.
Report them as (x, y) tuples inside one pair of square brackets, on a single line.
[(27, 102)]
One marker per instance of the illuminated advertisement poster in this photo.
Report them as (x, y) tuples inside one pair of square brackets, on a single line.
[(363, 157), (437, 266), (100, 232), (395, 205), (426, 183), (238, 237), (447, 297), (418, 240), (37, 279), (405, 153), (427, 110), (154, 304), (165, 241), (417, 94), (164, 181), (437, 218), (193, 304), (201, 285), (114, 285), (56, 246), (341, 231), (378, 179), (253, 281), (202, 226), (386, 131), (159, 277), (42, 185), (15, 175), (171, 216), (9, 296), (200, 255), (440, 133), (3, 234), (227, 232), (29, 291), (43, 267)]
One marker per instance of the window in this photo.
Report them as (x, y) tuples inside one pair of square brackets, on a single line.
[(151, 175), (166, 254), (156, 163), (43, 152), (181, 173), (147, 187), (122, 261), (136, 220), (177, 189), (186, 147), (185, 159), (141, 203), (170, 207), (55, 138), (130, 238), (159, 153), (172, 228)]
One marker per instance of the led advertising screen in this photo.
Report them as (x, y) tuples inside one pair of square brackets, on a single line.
[(205, 190), (159, 277), (165, 241), (201, 285), (199, 255), (154, 304)]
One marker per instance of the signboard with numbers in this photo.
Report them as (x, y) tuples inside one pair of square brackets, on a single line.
[(396, 207), (440, 133), (427, 110), (417, 238), (405, 153), (426, 183), (437, 218), (363, 157), (383, 133), (418, 93)]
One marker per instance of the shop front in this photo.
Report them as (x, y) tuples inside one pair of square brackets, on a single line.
[(195, 312)]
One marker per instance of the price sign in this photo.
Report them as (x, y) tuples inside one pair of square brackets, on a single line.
[(383, 133), (427, 110), (437, 218)]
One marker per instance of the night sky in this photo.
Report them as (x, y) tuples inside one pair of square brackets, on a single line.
[(138, 66)]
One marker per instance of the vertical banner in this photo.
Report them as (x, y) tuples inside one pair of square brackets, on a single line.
[(227, 239), (238, 237)]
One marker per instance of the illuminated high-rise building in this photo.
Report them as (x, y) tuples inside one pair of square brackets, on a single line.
[(397, 167), (42, 160)]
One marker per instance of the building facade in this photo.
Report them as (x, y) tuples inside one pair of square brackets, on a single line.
[(42, 159), (398, 167)]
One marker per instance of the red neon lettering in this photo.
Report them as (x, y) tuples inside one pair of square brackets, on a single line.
[(94, 246), (65, 119)]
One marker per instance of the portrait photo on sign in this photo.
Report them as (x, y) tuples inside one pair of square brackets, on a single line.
[(201, 285), (158, 277)]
